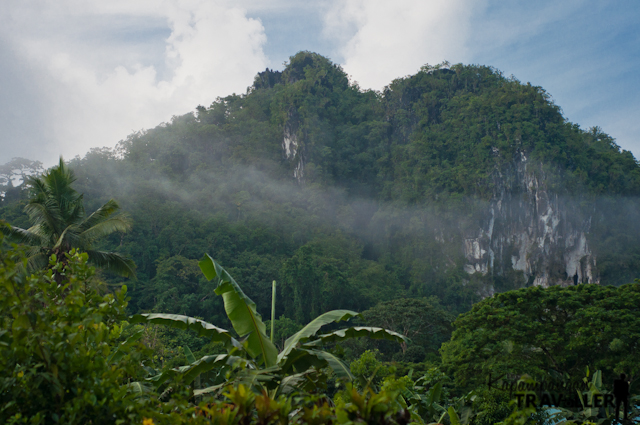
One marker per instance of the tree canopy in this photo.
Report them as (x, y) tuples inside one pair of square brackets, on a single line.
[(547, 333), (59, 223)]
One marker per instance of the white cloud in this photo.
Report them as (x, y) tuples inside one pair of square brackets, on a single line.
[(76, 74), (106, 69), (383, 40)]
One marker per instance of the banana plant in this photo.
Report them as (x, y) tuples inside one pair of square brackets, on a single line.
[(251, 357)]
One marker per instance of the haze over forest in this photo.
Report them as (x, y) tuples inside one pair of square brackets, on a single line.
[(308, 175)]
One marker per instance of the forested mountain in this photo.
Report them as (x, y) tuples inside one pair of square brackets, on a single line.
[(455, 182)]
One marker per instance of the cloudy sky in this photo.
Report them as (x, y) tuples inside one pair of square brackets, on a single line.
[(76, 74)]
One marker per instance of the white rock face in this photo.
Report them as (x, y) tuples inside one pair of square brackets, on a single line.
[(532, 230), (292, 147), (290, 143)]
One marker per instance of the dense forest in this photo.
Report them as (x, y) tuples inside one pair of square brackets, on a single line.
[(360, 200)]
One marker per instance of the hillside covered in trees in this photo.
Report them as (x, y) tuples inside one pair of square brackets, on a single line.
[(439, 186), (456, 218)]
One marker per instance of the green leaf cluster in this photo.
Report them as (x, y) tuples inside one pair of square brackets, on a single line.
[(62, 356), (547, 333)]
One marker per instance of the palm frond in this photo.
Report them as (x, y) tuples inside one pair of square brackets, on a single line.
[(37, 261), (115, 224), (99, 215), (19, 235), (34, 250), (45, 214), (68, 238), (43, 232), (54, 192), (74, 213), (59, 180), (114, 262), (58, 222), (37, 186)]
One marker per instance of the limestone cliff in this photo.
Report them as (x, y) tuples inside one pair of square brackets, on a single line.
[(528, 228), (532, 230), (291, 146)]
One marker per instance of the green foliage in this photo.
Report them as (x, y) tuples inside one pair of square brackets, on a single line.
[(59, 223), (62, 358), (241, 405), (311, 329), (452, 128), (316, 281), (283, 329), (369, 370), (583, 413), (370, 408), (179, 287), (241, 310), (67, 356), (493, 406), (252, 359), (423, 321), (542, 332), (392, 183)]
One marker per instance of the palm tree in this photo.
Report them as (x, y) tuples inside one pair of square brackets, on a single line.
[(59, 224)]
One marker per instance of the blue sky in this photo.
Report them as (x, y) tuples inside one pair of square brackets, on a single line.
[(78, 74)]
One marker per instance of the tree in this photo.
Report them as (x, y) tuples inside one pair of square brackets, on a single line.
[(67, 356), (422, 320), (14, 174), (59, 223), (546, 332)]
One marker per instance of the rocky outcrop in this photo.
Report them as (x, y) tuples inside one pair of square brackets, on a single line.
[(292, 146), (532, 230), (527, 227)]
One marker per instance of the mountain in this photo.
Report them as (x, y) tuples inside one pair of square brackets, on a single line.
[(455, 182)]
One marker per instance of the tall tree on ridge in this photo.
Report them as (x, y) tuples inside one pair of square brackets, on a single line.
[(59, 223)]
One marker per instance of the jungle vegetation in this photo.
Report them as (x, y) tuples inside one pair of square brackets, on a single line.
[(362, 220)]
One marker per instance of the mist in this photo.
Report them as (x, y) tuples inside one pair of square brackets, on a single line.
[(428, 238)]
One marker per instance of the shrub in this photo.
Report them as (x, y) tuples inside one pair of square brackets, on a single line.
[(60, 356)]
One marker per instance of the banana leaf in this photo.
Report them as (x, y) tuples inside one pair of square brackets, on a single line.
[(302, 360), (241, 310), (119, 353), (191, 372), (138, 387), (356, 332), (313, 327), (453, 416), (200, 327), (210, 389), (188, 354), (340, 369)]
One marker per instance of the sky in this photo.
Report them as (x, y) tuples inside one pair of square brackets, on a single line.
[(78, 74)]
